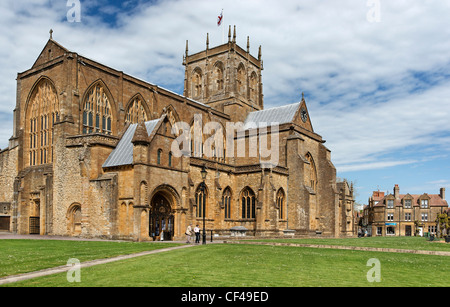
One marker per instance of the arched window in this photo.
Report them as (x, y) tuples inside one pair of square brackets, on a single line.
[(197, 83), (97, 116), (158, 160), (42, 115), (226, 202), (170, 159), (254, 88), (248, 202), (136, 112), (218, 76), (241, 82), (281, 204), (143, 194), (196, 142), (310, 173), (200, 201)]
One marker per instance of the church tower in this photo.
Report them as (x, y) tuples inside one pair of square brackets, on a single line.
[(226, 77)]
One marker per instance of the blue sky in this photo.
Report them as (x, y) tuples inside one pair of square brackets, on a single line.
[(377, 89)]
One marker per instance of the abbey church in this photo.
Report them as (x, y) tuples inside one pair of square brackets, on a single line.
[(97, 153)]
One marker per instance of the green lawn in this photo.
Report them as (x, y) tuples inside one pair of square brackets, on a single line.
[(411, 243), (22, 256), (233, 265)]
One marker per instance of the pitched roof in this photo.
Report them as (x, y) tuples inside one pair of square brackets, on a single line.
[(263, 118), (123, 153), (435, 200)]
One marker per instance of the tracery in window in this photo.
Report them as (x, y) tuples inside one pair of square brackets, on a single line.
[(200, 201), (97, 116), (226, 202), (44, 113), (310, 174), (281, 204), (248, 202), (136, 112)]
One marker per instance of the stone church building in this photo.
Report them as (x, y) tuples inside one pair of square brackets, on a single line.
[(95, 153)]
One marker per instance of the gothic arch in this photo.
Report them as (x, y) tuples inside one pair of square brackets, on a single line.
[(136, 110), (42, 112), (248, 203), (281, 203), (197, 83), (74, 219), (310, 173), (241, 80), (98, 114), (169, 192), (218, 76), (254, 87)]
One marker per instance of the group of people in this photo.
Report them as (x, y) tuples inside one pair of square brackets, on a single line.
[(189, 233)]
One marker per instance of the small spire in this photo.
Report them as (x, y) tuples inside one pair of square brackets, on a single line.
[(187, 47), (234, 34), (303, 96), (51, 33), (229, 33), (259, 53), (248, 44), (207, 40)]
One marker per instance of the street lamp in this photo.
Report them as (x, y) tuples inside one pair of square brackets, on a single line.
[(203, 172)]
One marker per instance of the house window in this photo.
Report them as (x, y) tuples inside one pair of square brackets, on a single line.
[(390, 203), (424, 203), (379, 231), (407, 203), (390, 230), (390, 216), (248, 204), (424, 217), (408, 217)]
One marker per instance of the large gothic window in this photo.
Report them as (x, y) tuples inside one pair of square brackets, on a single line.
[(136, 112), (97, 116), (248, 201), (44, 113)]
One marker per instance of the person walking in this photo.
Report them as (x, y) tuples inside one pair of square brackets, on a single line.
[(197, 234), (188, 234)]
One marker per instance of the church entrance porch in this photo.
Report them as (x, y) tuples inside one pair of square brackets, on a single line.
[(161, 219)]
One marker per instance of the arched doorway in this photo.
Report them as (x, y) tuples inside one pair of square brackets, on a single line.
[(161, 219)]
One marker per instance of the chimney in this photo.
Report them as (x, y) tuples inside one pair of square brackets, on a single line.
[(442, 193), (396, 192)]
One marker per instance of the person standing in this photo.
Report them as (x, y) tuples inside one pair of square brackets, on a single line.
[(197, 234), (188, 234)]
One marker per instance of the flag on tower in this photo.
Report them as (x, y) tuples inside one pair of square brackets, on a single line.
[(219, 19)]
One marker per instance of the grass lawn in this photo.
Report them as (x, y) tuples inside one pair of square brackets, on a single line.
[(232, 265), (22, 256), (411, 243)]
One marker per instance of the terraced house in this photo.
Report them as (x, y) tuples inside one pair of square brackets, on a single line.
[(403, 214), (98, 153)]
